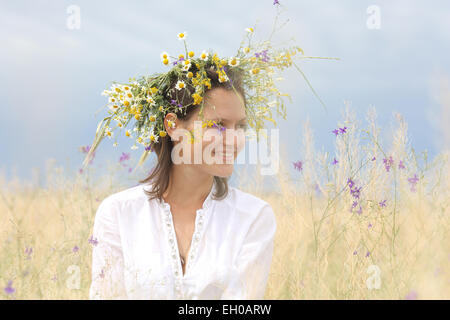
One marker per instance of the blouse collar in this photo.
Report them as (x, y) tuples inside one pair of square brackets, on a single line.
[(206, 204)]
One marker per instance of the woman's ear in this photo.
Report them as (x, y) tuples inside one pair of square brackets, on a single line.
[(170, 123)]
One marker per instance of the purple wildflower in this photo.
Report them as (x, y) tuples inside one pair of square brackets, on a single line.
[(388, 163), (413, 182), (356, 192), (298, 165), (359, 210), (179, 105), (75, 249), (355, 253), (354, 204), (174, 102), (373, 159), (412, 295), (382, 203), (343, 130), (93, 240), (334, 161), (401, 165), (102, 274), (275, 2), (262, 55), (28, 252), (350, 183), (335, 131), (367, 254), (369, 226), (124, 157), (9, 289)]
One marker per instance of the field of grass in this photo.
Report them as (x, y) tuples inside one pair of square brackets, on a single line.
[(369, 221)]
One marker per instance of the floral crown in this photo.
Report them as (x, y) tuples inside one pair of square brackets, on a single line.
[(147, 100)]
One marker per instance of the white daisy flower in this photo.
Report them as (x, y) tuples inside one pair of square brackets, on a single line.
[(115, 144), (233, 62), (128, 134), (182, 35), (180, 85), (134, 147), (164, 55), (186, 65), (151, 101), (126, 88), (106, 93), (249, 30), (153, 137), (108, 132), (204, 55)]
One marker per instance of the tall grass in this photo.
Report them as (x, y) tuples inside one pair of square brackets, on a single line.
[(393, 243)]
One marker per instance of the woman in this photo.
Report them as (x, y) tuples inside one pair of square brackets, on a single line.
[(184, 233)]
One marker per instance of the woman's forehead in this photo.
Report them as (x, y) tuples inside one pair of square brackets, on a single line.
[(225, 104)]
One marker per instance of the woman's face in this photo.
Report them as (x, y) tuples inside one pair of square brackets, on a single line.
[(213, 149)]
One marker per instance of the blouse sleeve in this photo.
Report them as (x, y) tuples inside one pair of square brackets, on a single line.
[(107, 257), (252, 266)]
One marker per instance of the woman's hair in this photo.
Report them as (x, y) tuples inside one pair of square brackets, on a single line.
[(160, 175)]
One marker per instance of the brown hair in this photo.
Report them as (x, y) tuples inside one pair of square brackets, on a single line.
[(160, 174)]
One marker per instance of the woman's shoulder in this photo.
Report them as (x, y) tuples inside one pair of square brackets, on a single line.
[(131, 194), (248, 203)]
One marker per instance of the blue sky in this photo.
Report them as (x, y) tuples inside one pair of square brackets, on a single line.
[(52, 76)]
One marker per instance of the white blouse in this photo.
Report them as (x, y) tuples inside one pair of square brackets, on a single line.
[(135, 252)]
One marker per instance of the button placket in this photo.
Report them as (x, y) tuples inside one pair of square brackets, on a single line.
[(198, 228)]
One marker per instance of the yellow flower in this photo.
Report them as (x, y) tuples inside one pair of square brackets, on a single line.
[(137, 116), (126, 103), (182, 35), (249, 30), (154, 90), (190, 74), (161, 108), (128, 133), (255, 71), (181, 56), (191, 54), (246, 50), (162, 134), (197, 98), (152, 118), (166, 61)]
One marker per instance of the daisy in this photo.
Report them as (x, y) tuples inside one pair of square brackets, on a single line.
[(128, 134), (164, 55), (154, 138), (171, 124), (182, 35), (106, 93), (115, 144), (233, 62), (126, 88), (187, 65), (108, 132), (249, 30), (151, 101), (204, 56), (246, 50), (112, 100), (134, 147), (180, 85)]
